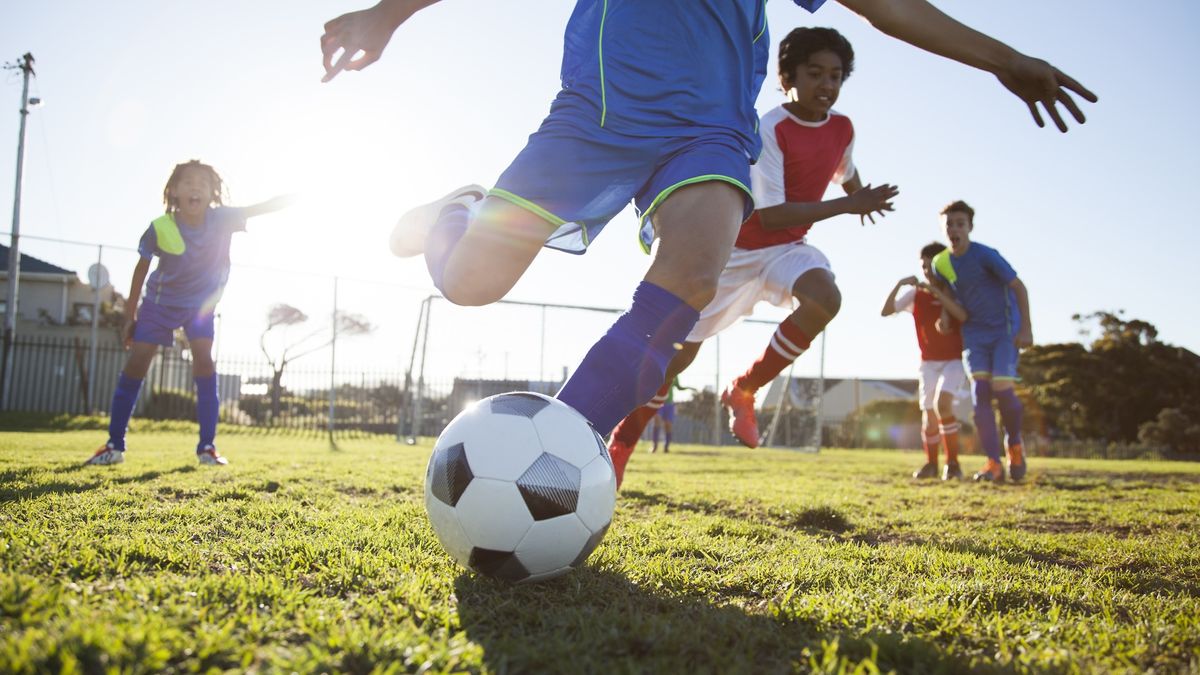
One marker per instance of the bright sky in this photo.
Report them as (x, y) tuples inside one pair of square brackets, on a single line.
[(1094, 219)]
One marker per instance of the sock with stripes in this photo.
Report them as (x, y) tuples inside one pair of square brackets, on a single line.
[(786, 345)]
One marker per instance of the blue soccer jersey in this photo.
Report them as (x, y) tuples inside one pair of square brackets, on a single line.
[(668, 68), (980, 279), (196, 277)]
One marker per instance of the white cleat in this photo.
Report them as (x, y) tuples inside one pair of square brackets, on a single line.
[(408, 236), (209, 455), (106, 455)]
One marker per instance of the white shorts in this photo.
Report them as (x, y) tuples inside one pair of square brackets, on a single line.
[(754, 275), (942, 377)]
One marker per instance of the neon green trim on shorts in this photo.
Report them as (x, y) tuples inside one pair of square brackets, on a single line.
[(600, 50), (527, 205), (981, 375), (667, 193), (1005, 378)]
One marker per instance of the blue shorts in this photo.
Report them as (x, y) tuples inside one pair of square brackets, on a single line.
[(667, 412), (992, 356), (156, 323), (578, 175)]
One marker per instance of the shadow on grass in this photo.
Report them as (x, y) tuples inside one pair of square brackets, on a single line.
[(596, 621), (819, 520), (10, 479)]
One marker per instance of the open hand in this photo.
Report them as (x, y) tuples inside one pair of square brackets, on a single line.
[(870, 200), (127, 333), (1023, 338), (1034, 81), (356, 40)]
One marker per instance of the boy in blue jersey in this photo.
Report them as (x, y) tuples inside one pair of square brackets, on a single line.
[(191, 241), (997, 327), (657, 108)]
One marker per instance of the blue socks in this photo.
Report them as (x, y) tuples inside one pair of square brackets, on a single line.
[(450, 227), (626, 367), (1011, 412), (667, 445), (123, 400), (985, 419), (207, 408)]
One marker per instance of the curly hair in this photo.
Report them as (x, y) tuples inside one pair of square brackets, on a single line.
[(932, 249), (803, 42), (218, 194)]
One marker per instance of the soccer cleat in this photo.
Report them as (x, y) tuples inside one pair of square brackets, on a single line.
[(952, 471), (1016, 462), (992, 472), (107, 454), (209, 455), (930, 470), (619, 452), (742, 422), (408, 236), (653, 449)]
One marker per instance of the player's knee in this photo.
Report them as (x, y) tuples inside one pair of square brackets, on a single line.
[(817, 290), (469, 294), (697, 286)]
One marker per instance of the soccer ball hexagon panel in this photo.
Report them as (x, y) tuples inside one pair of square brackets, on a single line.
[(519, 488)]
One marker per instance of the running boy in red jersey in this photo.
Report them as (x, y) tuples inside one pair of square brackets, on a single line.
[(806, 146), (938, 320)]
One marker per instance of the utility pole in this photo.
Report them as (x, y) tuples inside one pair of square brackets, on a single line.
[(14, 251)]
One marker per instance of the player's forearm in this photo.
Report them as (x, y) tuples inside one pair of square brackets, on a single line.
[(792, 214), (396, 12), (922, 25), (950, 305), (273, 204), (135, 288), (889, 305)]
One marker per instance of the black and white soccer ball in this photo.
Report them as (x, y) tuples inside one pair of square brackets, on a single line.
[(520, 487)]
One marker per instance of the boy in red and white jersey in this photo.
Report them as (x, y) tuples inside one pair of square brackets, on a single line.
[(938, 319), (806, 146)]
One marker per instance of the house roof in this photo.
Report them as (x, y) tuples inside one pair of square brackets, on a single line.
[(32, 265)]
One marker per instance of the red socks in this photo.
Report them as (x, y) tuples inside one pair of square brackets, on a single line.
[(787, 343)]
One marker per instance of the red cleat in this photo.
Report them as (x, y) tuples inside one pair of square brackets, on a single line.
[(742, 421), (620, 453)]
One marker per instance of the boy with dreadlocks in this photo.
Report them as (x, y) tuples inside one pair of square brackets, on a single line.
[(191, 241)]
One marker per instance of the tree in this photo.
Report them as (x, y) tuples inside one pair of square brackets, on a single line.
[(284, 315), (1174, 429), (1113, 387)]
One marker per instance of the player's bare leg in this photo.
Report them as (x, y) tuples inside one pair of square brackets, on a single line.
[(499, 245)]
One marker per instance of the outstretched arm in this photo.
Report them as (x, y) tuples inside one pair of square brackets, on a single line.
[(859, 200), (889, 305), (1032, 80), (273, 204), (1024, 336), (356, 40)]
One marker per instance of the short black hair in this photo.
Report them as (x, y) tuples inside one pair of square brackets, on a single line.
[(803, 42), (961, 207), (931, 249)]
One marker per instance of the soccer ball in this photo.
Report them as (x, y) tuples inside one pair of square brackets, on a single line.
[(520, 487)]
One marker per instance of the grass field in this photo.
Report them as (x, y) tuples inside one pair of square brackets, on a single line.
[(299, 558)]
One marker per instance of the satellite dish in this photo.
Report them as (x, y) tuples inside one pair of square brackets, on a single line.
[(97, 276)]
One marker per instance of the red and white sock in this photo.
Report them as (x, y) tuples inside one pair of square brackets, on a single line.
[(630, 429), (788, 343), (949, 428)]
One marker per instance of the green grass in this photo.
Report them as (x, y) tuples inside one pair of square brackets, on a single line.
[(299, 558)]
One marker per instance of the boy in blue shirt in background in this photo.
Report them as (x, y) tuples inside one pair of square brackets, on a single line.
[(997, 327)]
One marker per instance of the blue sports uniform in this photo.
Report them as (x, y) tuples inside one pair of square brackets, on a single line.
[(184, 288), (655, 95), (980, 279)]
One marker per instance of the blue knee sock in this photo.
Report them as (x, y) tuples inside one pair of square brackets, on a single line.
[(449, 229), (667, 445), (624, 369), (207, 408), (985, 419), (1011, 412), (124, 398)]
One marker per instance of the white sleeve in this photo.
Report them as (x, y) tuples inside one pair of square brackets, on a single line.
[(846, 169), (766, 175), (904, 301)]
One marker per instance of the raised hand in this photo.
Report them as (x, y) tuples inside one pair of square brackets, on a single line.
[(868, 200), (1034, 81), (356, 40)]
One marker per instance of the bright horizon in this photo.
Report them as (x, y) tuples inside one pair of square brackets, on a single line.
[(1089, 219)]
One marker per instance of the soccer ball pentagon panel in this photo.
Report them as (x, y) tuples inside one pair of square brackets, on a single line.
[(520, 487)]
